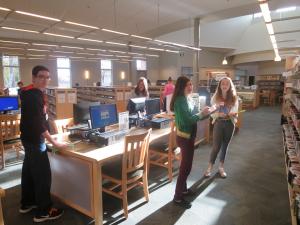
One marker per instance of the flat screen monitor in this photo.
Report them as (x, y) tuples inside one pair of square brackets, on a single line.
[(103, 115), (81, 111), (152, 106), (136, 105), (8, 103)]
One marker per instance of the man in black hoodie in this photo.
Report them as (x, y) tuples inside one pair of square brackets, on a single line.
[(36, 171)]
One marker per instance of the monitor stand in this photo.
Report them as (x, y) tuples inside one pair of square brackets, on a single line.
[(101, 130)]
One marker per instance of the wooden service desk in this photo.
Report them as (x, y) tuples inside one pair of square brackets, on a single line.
[(76, 172)]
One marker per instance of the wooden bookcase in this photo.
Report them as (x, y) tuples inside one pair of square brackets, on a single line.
[(118, 95), (250, 99), (291, 130), (155, 91), (60, 102)]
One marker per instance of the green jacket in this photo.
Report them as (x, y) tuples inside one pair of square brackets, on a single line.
[(184, 118)]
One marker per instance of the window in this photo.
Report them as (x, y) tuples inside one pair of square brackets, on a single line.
[(63, 72), (11, 73), (141, 65), (106, 73)]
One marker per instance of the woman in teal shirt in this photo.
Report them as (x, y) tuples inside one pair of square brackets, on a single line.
[(186, 124)]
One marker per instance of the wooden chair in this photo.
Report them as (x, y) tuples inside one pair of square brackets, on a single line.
[(10, 135), (132, 170), (2, 194), (60, 126), (164, 151)]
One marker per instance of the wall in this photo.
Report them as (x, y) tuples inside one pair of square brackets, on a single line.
[(271, 67)]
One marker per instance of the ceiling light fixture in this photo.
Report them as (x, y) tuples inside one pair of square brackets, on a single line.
[(77, 57), (14, 42), (164, 42), (84, 53), (277, 58), (141, 37), (4, 9), (117, 51), (138, 46), (156, 49), (134, 53), (36, 55), (72, 47), (172, 51), (123, 56), (152, 55), (37, 50), (41, 44), (115, 32), (58, 56), (17, 29), (11, 48), (115, 43), (224, 62), (81, 25), (87, 39), (270, 28), (273, 39), (96, 49), (63, 52), (105, 55), (58, 35), (265, 11), (39, 16)]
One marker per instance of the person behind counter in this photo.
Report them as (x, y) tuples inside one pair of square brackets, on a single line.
[(186, 123), (36, 171), (226, 100), (141, 89), (20, 85)]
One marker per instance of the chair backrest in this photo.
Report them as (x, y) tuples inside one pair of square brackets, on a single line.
[(10, 126), (62, 125), (136, 152), (172, 136)]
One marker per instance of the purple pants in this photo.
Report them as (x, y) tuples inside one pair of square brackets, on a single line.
[(187, 154)]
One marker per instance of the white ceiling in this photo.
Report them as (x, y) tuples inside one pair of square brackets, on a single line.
[(225, 24)]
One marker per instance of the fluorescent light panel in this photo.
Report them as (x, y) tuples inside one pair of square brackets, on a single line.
[(38, 16), (117, 51), (58, 35), (88, 39), (172, 51), (115, 43), (81, 25), (63, 52), (265, 11), (270, 28), (41, 44), (156, 49), (273, 39), (138, 46), (17, 29), (96, 49), (37, 50), (141, 37), (14, 42), (72, 47), (12, 48), (113, 31), (4, 9), (152, 55)]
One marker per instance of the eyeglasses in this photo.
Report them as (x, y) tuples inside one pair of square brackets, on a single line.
[(43, 77)]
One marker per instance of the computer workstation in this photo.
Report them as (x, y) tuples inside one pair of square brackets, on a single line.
[(9, 104), (143, 113)]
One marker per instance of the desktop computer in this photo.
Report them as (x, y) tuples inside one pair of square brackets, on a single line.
[(8, 103)]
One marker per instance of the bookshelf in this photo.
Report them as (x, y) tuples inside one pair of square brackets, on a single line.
[(291, 131), (155, 91), (60, 102), (118, 95)]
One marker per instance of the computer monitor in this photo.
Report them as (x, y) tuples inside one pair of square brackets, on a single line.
[(152, 106), (8, 103), (81, 111), (136, 105), (103, 115)]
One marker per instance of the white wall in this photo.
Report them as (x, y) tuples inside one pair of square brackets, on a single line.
[(271, 67)]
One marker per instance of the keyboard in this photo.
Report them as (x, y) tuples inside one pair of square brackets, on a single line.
[(81, 126), (111, 133)]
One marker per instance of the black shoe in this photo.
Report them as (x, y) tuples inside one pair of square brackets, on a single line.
[(182, 203), (188, 192), (26, 208), (52, 214)]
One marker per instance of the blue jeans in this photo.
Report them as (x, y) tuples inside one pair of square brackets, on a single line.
[(36, 177)]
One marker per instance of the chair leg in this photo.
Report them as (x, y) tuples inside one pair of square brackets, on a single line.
[(170, 168), (125, 204), (145, 187), (2, 159)]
